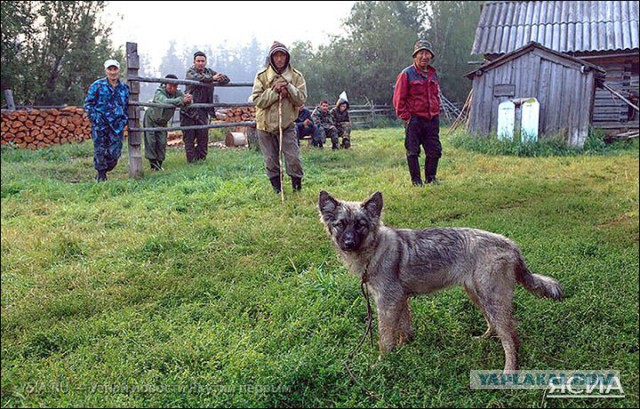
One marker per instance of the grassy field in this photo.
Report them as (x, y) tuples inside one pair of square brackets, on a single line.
[(197, 287)]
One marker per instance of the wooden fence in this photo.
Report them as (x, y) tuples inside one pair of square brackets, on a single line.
[(135, 131), (367, 115)]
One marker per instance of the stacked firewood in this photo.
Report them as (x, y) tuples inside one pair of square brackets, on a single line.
[(174, 138), (37, 128), (238, 114)]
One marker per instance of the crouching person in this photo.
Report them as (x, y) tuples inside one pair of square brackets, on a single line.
[(340, 114), (326, 126)]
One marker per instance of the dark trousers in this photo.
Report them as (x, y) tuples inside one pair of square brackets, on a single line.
[(196, 144), (426, 133), (196, 141), (322, 132), (107, 148), (302, 130)]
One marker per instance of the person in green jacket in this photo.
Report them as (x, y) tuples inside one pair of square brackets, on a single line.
[(155, 142), (278, 91)]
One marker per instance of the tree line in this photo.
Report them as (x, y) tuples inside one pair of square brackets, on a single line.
[(52, 51)]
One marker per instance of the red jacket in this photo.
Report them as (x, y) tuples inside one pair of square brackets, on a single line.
[(417, 93)]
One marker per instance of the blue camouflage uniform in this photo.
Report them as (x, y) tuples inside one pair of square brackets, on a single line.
[(106, 108)]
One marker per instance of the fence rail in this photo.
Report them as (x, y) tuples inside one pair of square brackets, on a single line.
[(188, 82), (215, 105), (192, 127), (135, 130)]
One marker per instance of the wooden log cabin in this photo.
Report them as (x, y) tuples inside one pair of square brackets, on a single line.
[(602, 33)]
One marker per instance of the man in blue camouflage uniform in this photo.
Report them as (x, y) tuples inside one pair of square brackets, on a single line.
[(106, 108)]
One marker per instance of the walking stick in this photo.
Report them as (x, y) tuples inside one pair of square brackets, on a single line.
[(280, 146)]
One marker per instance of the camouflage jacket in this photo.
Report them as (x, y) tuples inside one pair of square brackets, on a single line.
[(340, 116), (323, 119), (106, 105), (201, 94), (160, 116)]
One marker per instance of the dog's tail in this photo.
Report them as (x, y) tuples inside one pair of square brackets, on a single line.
[(537, 283)]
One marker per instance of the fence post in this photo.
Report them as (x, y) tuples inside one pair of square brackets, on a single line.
[(135, 137), (373, 114), (8, 95)]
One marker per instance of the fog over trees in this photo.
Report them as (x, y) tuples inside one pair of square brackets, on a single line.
[(52, 51)]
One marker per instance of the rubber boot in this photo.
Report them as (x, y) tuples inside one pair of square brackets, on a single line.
[(275, 183), (414, 170), (431, 169), (296, 184), (102, 176)]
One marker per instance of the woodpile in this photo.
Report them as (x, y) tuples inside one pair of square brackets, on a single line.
[(238, 114), (37, 128), (174, 138)]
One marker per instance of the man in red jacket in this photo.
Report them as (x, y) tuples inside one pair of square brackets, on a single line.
[(416, 99)]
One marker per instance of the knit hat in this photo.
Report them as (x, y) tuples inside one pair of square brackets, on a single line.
[(278, 46), (423, 45)]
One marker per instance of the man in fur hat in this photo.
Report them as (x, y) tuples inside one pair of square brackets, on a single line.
[(416, 99)]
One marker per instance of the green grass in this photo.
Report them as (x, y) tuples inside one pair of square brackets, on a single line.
[(197, 287)]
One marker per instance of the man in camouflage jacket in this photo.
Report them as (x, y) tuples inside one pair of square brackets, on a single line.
[(340, 114), (196, 140), (326, 126)]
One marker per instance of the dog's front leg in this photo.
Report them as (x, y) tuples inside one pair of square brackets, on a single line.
[(389, 317)]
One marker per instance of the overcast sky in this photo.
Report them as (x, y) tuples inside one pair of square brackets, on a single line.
[(226, 23)]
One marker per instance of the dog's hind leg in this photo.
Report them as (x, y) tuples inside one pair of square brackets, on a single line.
[(474, 298), (494, 291), (406, 331), (499, 308)]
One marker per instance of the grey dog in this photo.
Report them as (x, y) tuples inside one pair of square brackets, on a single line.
[(398, 263)]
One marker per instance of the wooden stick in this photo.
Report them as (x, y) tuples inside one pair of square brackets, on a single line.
[(617, 94), (280, 146)]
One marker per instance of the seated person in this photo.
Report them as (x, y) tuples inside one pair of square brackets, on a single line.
[(326, 126), (304, 123), (341, 118)]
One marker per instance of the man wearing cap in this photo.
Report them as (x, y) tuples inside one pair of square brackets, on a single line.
[(155, 142), (416, 99), (106, 108), (278, 91), (196, 140)]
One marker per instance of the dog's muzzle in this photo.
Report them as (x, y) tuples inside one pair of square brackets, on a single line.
[(348, 241)]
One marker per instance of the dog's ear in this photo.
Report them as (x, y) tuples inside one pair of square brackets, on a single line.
[(327, 206), (373, 205)]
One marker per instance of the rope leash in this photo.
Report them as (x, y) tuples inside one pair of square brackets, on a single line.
[(368, 331)]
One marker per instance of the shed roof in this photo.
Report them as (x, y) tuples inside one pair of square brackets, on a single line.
[(564, 26), (600, 72)]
